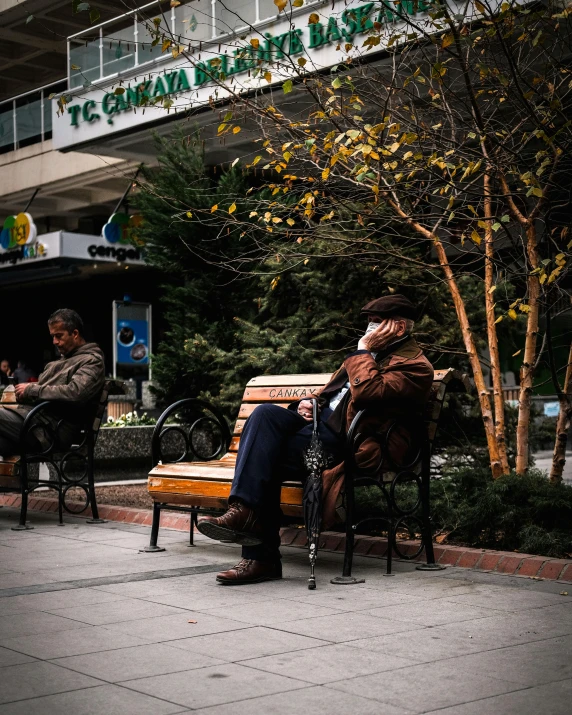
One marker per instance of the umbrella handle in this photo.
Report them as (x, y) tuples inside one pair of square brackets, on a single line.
[(315, 414)]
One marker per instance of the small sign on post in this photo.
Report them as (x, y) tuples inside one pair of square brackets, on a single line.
[(131, 339)]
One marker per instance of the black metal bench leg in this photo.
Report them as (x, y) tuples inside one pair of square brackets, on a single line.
[(427, 533), (391, 536), (91, 486), (153, 548), (22, 526), (346, 579), (193, 523)]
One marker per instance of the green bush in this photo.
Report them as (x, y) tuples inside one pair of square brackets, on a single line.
[(514, 513)]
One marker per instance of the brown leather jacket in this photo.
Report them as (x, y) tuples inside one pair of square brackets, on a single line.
[(397, 385)]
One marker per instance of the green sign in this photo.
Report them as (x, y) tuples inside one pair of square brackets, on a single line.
[(353, 21)]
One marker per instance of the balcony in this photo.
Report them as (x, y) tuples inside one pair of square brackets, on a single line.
[(126, 42), (27, 118)]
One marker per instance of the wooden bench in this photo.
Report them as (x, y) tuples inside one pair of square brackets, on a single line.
[(194, 452), (71, 466)]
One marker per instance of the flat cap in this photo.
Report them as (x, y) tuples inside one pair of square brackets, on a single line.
[(390, 305)]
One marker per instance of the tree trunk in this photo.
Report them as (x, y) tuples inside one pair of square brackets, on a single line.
[(562, 425), (527, 367), (498, 397), (484, 398)]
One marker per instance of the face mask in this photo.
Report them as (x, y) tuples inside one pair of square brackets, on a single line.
[(371, 327)]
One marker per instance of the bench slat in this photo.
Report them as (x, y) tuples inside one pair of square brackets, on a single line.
[(280, 394), (288, 380), (246, 409)]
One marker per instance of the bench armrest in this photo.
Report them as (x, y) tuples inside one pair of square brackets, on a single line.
[(42, 432), (186, 422), (363, 428)]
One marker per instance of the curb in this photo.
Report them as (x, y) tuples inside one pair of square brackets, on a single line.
[(503, 562)]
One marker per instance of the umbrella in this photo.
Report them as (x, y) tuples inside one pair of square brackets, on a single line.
[(316, 459)]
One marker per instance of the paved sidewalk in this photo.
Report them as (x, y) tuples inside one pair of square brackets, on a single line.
[(89, 625)]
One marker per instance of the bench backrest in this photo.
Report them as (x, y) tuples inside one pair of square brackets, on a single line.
[(283, 389)]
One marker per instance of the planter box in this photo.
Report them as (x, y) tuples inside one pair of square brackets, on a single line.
[(123, 453)]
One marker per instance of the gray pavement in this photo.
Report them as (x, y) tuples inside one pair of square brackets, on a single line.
[(90, 625)]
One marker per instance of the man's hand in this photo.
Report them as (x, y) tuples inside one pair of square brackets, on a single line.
[(305, 409), (20, 390), (381, 337)]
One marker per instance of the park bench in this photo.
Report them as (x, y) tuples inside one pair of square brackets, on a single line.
[(194, 454), (70, 462)]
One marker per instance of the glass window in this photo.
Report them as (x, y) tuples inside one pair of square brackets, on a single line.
[(84, 56), (29, 119), (145, 39), (234, 14), (119, 48), (193, 21), (6, 127)]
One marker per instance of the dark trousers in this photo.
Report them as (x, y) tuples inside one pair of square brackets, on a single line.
[(271, 452), (11, 423)]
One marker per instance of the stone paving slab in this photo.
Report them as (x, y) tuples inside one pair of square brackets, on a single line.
[(89, 625)]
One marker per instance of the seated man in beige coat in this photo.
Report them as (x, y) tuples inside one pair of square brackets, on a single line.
[(77, 379)]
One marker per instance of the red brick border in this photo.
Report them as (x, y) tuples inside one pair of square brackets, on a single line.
[(525, 565)]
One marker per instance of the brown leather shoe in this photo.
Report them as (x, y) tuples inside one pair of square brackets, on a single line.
[(249, 571), (238, 525)]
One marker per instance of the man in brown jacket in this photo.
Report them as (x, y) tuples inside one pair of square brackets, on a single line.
[(76, 379), (388, 371)]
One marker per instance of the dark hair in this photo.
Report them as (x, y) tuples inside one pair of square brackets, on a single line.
[(69, 319)]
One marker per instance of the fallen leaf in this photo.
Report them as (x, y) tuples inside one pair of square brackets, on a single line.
[(191, 621), (563, 593)]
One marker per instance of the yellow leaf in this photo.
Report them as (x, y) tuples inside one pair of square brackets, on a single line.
[(313, 19), (516, 353), (256, 160), (325, 173), (476, 238), (447, 40), (394, 147), (524, 308), (176, 3), (306, 261), (221, 127), (280, 4), (512, 314), (75, 67), (290, 221), (235, 130), (492, 289), (268, 76), (298, 3), (255, 43), (189, 214), (165, 46), (274, 282), (252, 213), (214, 208), (480, 7), (499, 319), (301, 61), (232, 208)]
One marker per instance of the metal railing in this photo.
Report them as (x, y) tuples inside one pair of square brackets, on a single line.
[(27, 118), (126, 42)]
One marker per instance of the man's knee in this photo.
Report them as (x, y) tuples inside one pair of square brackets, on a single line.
[(270, 413)]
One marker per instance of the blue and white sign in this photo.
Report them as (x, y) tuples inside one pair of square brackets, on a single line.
[(131, 338)]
